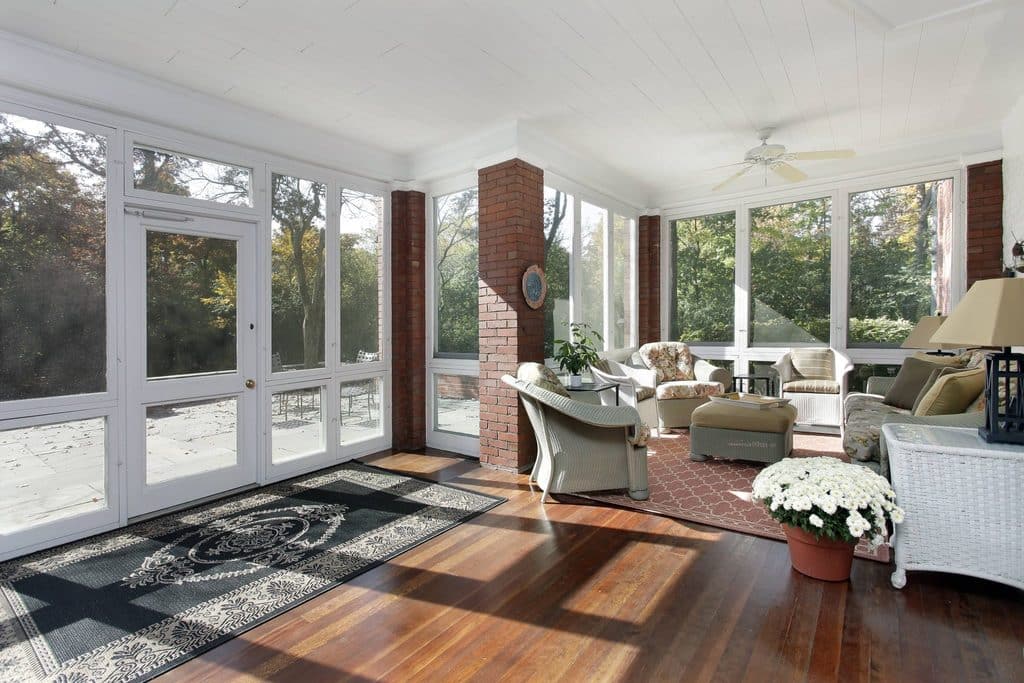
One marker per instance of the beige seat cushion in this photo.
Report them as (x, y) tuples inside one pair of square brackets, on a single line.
[(952, 394), (813, 363), (812, 386), (541, 376), (724, 416), (692, 389), (932, 379)]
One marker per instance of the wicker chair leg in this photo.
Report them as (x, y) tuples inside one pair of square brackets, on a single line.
[(899, 578)]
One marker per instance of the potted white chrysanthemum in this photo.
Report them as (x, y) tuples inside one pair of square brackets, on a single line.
[(825, 506)]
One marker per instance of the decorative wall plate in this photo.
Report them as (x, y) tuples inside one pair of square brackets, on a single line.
[(535, 286)]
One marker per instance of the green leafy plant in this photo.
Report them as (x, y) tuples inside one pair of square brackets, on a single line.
[(576, 354)]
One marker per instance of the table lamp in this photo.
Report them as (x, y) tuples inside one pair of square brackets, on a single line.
[(992, 314), (920, 337)]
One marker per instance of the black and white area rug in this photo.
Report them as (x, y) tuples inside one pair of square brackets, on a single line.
[(136, 602)]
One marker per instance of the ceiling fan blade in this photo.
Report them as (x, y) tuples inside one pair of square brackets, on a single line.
[(825, 154), (791, 174), (731, 178)]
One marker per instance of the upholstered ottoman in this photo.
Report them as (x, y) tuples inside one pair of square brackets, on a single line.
[(725, 431)]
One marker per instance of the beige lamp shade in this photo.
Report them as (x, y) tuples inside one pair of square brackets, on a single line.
[(921, 336), (990, 314)]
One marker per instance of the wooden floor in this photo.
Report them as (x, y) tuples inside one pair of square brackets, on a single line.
[(573, 591)]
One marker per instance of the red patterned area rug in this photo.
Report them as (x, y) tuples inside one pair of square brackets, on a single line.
[(717, 492)]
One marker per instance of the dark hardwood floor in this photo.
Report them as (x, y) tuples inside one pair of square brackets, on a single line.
[(574, 591)]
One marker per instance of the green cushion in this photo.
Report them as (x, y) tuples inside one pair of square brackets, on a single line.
[(913, 375)]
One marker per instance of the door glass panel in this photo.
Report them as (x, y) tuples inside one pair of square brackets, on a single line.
[(297, 424), (177, 174), (298, 234), (53, 228), (360, 230), (188, 438), (191, 301), (51, 472), (360, 410), (457, 404), (593, 220)]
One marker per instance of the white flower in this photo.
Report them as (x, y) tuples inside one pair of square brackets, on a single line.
[(816, 521)]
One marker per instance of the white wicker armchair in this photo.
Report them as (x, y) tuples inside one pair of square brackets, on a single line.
[(814, 381), (583, 446), (636, 388)]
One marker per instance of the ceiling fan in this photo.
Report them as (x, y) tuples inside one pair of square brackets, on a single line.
[(776, 159)]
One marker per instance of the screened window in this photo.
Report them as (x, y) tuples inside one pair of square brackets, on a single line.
[(593, 231), (297, 233), (621, 313), (456, 273), (790, 276), (900, 260), (361, 227), (702, 256), (558, 229), (53, 232), (185, 176)]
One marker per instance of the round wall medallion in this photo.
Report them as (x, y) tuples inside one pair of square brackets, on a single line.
[(535, 286)]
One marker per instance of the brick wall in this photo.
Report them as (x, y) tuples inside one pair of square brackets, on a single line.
[(408, 319), (649, 278), (511, 239), (457, 387), (984, 221)]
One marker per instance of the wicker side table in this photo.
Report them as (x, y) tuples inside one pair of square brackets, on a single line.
[(963, 503)]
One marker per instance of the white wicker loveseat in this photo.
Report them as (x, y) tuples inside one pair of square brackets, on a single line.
[(581, 446)]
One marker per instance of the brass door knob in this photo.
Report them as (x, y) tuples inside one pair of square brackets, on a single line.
[(250, 384)]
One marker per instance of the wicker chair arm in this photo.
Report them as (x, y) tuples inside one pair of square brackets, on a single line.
[(704, 371)]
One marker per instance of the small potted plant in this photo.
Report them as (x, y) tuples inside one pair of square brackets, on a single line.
[(576, 354), (825, 506)]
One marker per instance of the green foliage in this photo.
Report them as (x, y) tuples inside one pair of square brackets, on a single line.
[(881, 331), (457, 273), (834, 526), (558, 226), (704, 265), (578, 352)]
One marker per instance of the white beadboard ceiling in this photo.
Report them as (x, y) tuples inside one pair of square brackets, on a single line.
[(661, 90)]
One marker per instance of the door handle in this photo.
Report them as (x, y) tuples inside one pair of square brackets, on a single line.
[(250, 384)]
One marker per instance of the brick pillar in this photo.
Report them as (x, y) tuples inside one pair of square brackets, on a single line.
[(649, 278), (984, 221), (408, 320), (511, 239)]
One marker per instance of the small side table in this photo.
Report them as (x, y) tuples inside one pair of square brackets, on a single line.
[(962, 499), (596, 387), (748, 384)]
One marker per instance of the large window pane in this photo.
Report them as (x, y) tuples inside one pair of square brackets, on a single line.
[(52, 260), (170, 173), (702, 255), (457, 404), (790, 273), (191, 304), (622, 281), (361, 227), (52, 472), (298, 232), (900, 260), (456, 273), (558, 228), (189, 438), (593, 221)]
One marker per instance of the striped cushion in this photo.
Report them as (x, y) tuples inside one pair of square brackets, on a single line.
[(812, 386), (814, 363)]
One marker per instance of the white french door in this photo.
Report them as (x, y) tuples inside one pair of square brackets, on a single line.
[(192, 358)]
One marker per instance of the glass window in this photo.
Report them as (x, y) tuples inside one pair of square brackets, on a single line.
[(191, 437), (790, 273), (297, 234), (53, 228), (297, 423), (858, 379), (702, 256), (457, 404), (558, 229), (456, 272), (190, 304), (900, 260), (361, 402), (361, 227), (622, 282), (171, 173), (593, 221), (52, 472)]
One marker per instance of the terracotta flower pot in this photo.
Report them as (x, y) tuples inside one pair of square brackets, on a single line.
[(819, 558)]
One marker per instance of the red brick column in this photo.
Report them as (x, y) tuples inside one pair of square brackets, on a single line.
[(984, 221), (649, 278), (408, 320), (511, 239)]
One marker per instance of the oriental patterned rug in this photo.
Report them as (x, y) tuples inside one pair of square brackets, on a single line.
[(717, 492), (133, 603)]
